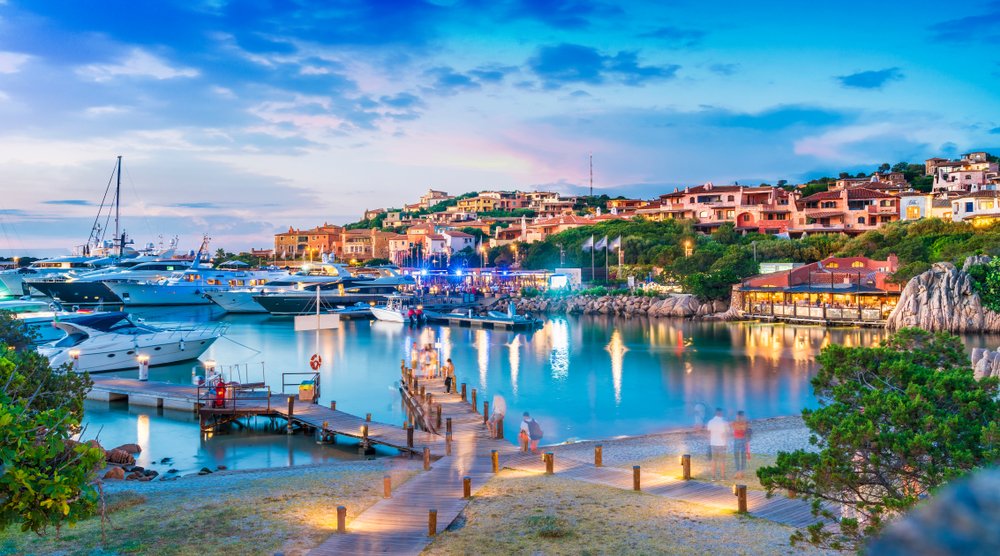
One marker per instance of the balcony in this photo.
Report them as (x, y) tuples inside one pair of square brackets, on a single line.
[(875, 209)]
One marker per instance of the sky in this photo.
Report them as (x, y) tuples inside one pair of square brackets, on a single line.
[(240, 119)]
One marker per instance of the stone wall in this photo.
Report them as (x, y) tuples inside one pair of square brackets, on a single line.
[(943, 299), (674, 305)]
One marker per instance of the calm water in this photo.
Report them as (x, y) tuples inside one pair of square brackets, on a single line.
[(582, 378)]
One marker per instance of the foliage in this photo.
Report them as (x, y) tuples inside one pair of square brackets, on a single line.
[(894, 423), (928, 240), (515, 213), (377, 262), (986, 281), (46, 478)]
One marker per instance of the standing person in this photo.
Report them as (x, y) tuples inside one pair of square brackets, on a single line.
[(741, 443), (718, 433), (499, 408), (531, 433), (449, 375), (414, 357)]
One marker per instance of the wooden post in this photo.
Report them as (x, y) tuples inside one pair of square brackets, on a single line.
[(495, 456), (598, 455), (740, 491), (387, 486), (409, 436), (466, 487), (474, 405), (423, 391), (438, 417), (291, 412), (333, 405), (486, 412), (432, 522), (447, 445), (341, 519), (499, 434), (686, 467), (635, 478), (427, 458), (447, 422), (463, 392), (364, 436), (550, 463), (368, 417)]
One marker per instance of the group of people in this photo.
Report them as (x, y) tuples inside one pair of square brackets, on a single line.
[(530, 432), (720, 434), (425, 360)]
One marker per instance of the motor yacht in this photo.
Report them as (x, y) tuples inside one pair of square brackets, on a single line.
[(336, 294), (396, 308), (241, 300), (12, 281), (113, 342), (190, 286), (40, 317), (91, 288)]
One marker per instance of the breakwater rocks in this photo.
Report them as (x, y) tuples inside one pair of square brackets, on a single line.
[(985, 362), (943, 299), (673, 305)]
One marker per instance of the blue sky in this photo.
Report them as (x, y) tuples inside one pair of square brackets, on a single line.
[(238, 119)]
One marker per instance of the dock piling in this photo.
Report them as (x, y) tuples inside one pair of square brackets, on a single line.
[(341, 519), (466, 487), (499, 433), (475, 407), (333, 405), (635, 478), (432, 522), (550, 463), (740, 491), (486, 412), (291, 412), (495, 457), (463, 392), (427, 458), (598, 455), (409, 437), (386, 486), (686, 467)]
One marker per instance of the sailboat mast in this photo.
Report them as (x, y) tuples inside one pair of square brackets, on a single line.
[(118, 200), (591, 174), (317, 319)]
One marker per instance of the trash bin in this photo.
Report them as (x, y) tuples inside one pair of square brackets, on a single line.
[(307, 391)]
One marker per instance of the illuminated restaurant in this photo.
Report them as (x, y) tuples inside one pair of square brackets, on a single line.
[(847, 290)]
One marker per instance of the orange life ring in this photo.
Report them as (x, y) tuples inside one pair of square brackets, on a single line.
[(315, 361)]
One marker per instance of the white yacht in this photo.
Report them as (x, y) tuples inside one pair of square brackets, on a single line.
[(396, 308), (241, 300), (90, 288), (113, 342), (12, 280), (191, 286)]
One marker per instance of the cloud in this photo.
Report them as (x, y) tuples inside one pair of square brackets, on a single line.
[(872, 79), (447, 81), (11, 62), (675, 36), (724, 69), (70, 202), (563, 14), (196, 205), (995, 131), (138, 63), (980, 27), (402, 100), (573, 63)]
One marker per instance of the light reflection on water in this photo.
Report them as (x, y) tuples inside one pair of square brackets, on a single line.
[(582, 377)]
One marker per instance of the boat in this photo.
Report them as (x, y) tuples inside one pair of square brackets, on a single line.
[(113, 342), (492, 319), (241, 300), (333, 296), (396, 308), (40, 317), (357, 311), (91, 288), (13, 280), (190, 286)]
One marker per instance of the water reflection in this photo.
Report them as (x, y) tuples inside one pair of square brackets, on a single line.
[(617, 350), (558, 332), (515, 361)]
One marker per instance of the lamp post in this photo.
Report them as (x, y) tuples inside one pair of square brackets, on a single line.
[(74, 354), (143, 361), (688, 250)]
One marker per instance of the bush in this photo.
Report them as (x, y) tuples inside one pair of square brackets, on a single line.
[(986, 282)]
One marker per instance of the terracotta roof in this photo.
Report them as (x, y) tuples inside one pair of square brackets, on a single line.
[(865, 193), (456, 233), (825, 214), (986, 194), (821, 196)]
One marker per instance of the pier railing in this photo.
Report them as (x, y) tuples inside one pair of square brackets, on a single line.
[(296, 379)]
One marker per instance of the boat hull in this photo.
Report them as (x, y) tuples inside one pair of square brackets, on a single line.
[(306, 304), (77, 293), (161, 294), (12, 283), (388, 315), (236, 301), (161, 350)]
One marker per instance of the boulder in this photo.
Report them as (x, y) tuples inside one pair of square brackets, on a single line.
[(134, 476), (985, 363), (130, 448), (115, 473), (120, 457), (943, 298)]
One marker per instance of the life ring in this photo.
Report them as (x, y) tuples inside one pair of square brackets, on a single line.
[(315, 361)]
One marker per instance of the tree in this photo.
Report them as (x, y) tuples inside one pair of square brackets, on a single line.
[(782, 183), (220, 254), (894, 423), (843, 175), (884, 167), (45, 478), (377, 262)]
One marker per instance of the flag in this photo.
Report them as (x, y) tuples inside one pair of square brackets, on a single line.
[(616, 244), (589, 244), (601, 243)]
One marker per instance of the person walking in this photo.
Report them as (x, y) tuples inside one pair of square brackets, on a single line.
[(531, 433), (741, 443), (499, 409), (718, 433), (449, 375)]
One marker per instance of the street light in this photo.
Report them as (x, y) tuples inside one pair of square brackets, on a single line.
[(687, 248), (74, 354)]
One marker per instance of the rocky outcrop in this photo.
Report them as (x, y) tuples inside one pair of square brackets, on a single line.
[(121, 457), (943, 299), (674, 305), (985, 362)]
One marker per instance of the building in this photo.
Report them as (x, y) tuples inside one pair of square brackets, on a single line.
[(914, 205), (855, 290), (457, 241), (488, 201), (433, 197), (311, 243), (850, 211), (762, 209), (979, 208), (973, 172)]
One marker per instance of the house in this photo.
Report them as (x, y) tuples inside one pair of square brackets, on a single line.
[(973, 172), (980, 208), (489, 201), (457, 241), (433, 197), (914, 205), (371, 214), (311, 243), (855, 290), (762, 209), (850, 211)]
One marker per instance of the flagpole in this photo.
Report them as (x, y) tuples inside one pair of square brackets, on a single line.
[(592, 258), (606, 260)]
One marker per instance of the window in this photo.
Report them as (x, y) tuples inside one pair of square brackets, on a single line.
[(969, 206), (912, 212), (861, 220), (703, 214), (828, 204), (832, 265), (731, 198), (857, 264), (731, 213)]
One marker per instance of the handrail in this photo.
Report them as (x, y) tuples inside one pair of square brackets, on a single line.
[(314, 376)]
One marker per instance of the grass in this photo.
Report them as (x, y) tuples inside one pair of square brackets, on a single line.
[(228, 514), (519, 513), (701, 468)]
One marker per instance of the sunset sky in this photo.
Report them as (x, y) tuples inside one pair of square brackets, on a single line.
[(238, 119)]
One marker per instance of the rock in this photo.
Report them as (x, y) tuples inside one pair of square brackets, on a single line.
[(166, 460), (134, 476), (204, 471), (120, 457), (222, 467), (150, 473), (115, 473), (130, 448), (985, 363), (943, 299)]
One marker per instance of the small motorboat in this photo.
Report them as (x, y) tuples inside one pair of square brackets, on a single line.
[(113, 341), (41, 316), (397, 308)]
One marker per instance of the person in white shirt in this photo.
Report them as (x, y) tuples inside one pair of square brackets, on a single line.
[(718, 432), (499, 408)]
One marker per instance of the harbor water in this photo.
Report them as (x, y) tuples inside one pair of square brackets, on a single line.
[(580, 377)]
